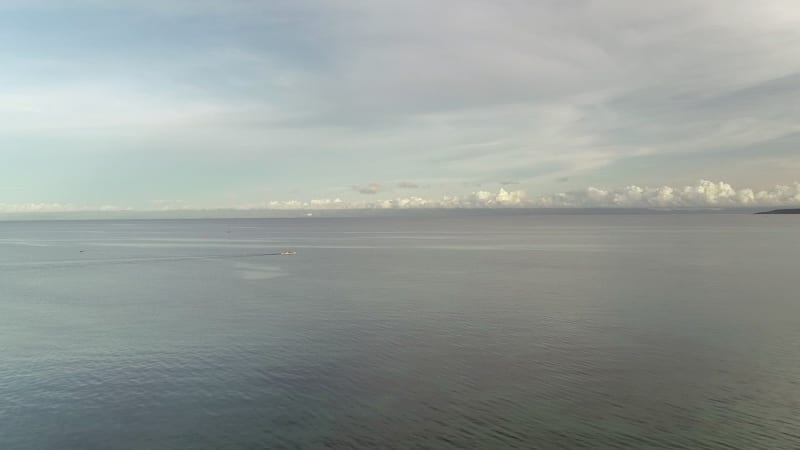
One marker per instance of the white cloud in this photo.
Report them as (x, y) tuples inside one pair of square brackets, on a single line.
[(15, 208), (703, 194), (35, 207)]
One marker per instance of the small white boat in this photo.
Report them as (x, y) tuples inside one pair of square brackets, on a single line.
[(288, 253)]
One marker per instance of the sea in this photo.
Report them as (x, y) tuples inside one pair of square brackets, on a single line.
[(449, 331)]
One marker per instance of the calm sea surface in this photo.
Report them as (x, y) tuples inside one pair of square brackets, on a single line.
[(527, 331)]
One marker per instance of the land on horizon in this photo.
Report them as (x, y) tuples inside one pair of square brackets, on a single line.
[(781, 211)]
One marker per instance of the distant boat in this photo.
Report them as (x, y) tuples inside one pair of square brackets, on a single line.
[(288, 253)]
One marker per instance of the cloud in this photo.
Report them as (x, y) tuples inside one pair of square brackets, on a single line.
[(702, 195), (35, 207), (537, 92), (479, 199), (407, 185), (370, 189), (15, 208)]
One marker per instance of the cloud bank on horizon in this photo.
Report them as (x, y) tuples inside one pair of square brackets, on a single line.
[(704, 194), (388, 103)]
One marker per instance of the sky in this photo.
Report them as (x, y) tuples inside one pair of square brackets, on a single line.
[(245, 104)]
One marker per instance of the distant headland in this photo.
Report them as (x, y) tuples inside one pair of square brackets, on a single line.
[(781, 211)]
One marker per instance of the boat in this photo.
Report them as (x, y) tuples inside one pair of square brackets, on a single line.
[(288, 253)]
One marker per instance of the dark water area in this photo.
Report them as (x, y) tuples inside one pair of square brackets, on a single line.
[(593, 331)]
